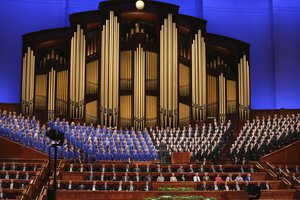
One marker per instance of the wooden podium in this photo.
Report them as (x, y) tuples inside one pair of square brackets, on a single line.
[(180, 157)]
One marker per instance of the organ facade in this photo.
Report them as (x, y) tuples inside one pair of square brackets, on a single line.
[(120, 66)]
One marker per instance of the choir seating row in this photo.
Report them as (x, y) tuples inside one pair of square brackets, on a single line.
[(20, 166), (22, 184), (144, 175), (140, 186), (156, 168)]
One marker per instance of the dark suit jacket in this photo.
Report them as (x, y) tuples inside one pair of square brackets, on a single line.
[(102, 187), (134, 178), (81, 187), (149, 187), (128, 188), (204, 188)]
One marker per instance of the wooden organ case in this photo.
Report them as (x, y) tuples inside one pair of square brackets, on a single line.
[(122, 67)]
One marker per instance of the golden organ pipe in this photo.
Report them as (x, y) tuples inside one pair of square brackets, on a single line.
[(118, 60), (161, 74), (242, 86), (32, 82), (239, 87), (165, 75), (115, 71), (199, 78), (106, 54), (204, 75), (248, 90), (174, 69), (71, 76), (102, 73), (175, 57), (76, 70), (27, 78), (193, 80)]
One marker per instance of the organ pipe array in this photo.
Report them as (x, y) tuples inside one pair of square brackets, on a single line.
[(244, 88), (222, 98), (77, 74), (109, 95), (51, 93), (120, 67), (28, 82), (139, 88), (198, 77), (168, 73)]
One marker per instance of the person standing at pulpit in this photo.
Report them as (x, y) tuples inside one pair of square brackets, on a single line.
[(163, 151)]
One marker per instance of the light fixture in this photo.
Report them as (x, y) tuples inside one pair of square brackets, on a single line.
[(139, 4)]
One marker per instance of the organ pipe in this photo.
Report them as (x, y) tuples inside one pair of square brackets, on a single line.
[(51, 93), (199, 77), (168, 73), (244, 88), (77, 73), (139, 87), (222, 98), (109, 95), (28, 81)]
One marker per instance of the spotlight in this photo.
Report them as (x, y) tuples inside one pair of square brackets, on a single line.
[(139, 4)]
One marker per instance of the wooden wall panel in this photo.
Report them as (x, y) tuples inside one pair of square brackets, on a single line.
[(290, 153), (272, 112), (10, 107), (113, 195), (10, 149)]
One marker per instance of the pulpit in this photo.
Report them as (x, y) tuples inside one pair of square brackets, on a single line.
[(180, 157)]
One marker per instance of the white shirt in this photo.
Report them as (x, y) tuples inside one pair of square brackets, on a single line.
[(120, 188), (173, 178), (226, 188), (216, 187), (196, 178)]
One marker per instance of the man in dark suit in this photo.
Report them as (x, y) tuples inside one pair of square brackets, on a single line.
[(266, 186), (148, 178), (130, 187), (91, 176), (147, 187), (2, 194), (136, 169), (105, 187), (204, 187), (136, 177), (81, 186), (120, 187), (163, 151), (147, 168), (70, 186), (126, 177)]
